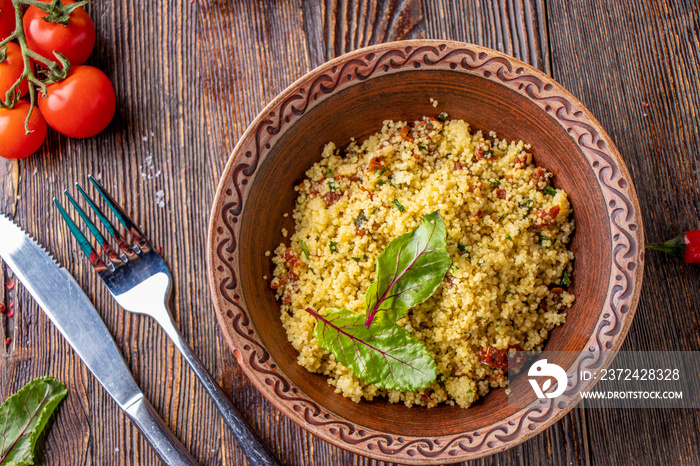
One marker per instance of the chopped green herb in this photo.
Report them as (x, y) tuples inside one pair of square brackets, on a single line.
[(495, 183), (509, 238), (470, 391), (443, 310), (312, 271), (422, 147), (549, 190), (329, 171), (508, 292), (332, 186), (462, 248), (356, 259), (391, 181), (565, 280), (381, 172), (528, 207), (305, 249), (360, 219), (440, 379), (543, 239), (442, 117), (333, 246), (398, 205), (380, 183), (374, 211)]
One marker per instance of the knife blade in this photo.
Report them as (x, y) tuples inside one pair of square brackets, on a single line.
[(72, 312)]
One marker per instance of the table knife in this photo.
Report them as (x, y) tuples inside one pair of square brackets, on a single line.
[(64, 301)]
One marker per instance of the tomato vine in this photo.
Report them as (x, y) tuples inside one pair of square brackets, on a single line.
[(55, 71)]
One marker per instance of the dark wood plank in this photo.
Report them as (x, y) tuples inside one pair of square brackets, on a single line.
[(516, 27), (616, 58)]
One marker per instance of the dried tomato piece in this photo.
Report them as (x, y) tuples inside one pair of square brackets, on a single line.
[(331, 198), (539, 176), (404, 134), (501, 193), (522, 160), (375, 163), (546, 216), (371, 195), (499, 358), (483, 152), (291, 258), (278, 282), (458, 165)]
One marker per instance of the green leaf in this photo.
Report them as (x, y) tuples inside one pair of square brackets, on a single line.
[(24, 415), (398, 205), (333, 246), (384, 354), (409, 270)]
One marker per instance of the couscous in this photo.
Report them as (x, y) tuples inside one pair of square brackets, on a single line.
[(507, 235)]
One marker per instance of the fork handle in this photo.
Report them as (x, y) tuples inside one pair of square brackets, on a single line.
[(250, 442)]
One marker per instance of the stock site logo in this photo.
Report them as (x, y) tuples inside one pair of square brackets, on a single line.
[(544, 369)]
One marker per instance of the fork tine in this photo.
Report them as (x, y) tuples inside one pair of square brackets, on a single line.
[(106, 247), (126, 252), (94, 258), (141, 241)]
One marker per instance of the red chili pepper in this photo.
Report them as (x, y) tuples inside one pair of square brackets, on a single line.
[(686, 245)]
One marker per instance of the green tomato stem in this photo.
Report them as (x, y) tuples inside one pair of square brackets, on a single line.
[(56, 72)]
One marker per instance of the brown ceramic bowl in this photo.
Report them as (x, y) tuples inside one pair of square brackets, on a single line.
[(350, 97)]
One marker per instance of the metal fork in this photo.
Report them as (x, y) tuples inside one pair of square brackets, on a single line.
[(139, 280)]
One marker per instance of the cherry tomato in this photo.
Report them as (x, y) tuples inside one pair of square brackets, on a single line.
[(15, 143), (81, 105), (11, 69), (75, 40), (7, 18)]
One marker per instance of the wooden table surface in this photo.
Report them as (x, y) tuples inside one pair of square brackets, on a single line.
[(190, 75)]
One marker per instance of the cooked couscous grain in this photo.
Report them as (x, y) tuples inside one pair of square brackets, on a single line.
[(507, 235)]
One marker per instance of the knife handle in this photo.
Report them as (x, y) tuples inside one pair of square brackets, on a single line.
[(161, 437)]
